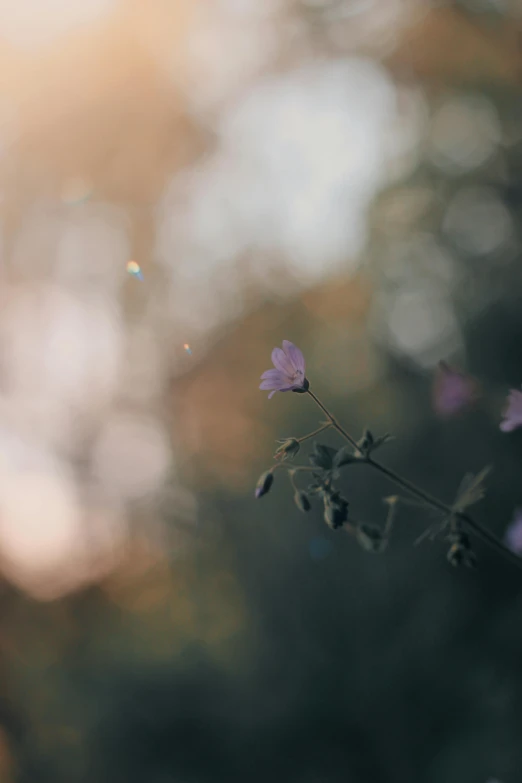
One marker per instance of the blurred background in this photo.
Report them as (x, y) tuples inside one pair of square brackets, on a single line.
[(344, 174)]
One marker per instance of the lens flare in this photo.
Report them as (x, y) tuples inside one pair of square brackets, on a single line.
[(133, 268), (187, 349), (319, 548)]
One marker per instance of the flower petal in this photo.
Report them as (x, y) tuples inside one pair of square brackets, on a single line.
[(513, 414), (281, 362), (273, 379), (513, 535), (453, 391), (508, 425), (295, 355), (271, 374), (269, 383)]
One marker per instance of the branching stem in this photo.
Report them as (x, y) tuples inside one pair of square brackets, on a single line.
[(419, 493)]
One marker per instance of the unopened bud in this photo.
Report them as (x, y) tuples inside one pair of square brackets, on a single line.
[(301, 500), (460, 556), (335, 511), (264, 484)]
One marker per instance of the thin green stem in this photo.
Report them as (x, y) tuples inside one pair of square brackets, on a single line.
[(480, 531), (325, 426), (390, 519), (277, 465), (298, 469), (409, 486), (333, 420), (291, 477)]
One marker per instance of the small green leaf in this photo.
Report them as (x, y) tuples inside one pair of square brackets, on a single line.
[(368, 444), (365, 443), (381, 440), (322, 456)]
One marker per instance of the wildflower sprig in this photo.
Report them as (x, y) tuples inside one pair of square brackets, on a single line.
[(326, 462)]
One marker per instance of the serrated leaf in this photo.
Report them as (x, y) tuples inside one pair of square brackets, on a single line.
[(322, 456), (381, 440)]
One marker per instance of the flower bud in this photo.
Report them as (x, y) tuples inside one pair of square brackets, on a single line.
[(461, 554), (263, 485), (288, 449), (335, 511), (301, 501)]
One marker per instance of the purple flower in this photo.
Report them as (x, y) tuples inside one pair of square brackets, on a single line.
[(289, 372), (513, 536), (453, 391), (513, 413)]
